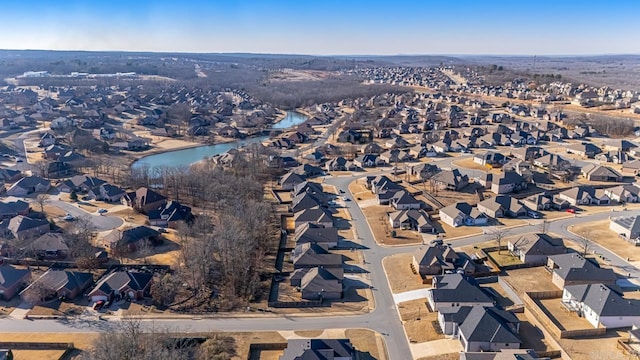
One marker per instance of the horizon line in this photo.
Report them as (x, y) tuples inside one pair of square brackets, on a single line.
[(331, 55)]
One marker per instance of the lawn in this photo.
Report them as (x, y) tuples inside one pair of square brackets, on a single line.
[(378, 219), (504, 258), (599, 233), (360, 192), (419, 324), (399, 274)]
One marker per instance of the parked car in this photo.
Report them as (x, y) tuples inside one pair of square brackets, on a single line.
[(102, 211), (534, 214), (571, 210), (68, 217), (98, 305)]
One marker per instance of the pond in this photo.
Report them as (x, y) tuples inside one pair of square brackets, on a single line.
[(186, 157)]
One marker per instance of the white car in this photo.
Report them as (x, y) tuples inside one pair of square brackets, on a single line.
[(68, 217)]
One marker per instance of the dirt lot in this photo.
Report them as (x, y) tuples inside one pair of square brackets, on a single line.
[(378, 219), (604, 347), (57, 308), (419, 324), (598, 232), (399, 274), (451, 356), (468, 163), (81, 341), (367, 341), (359, 191), (563, 318), (447, 197), (530, 279), (37, 354), (498, 294)]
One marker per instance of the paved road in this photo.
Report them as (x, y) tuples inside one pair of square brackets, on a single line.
[(100, 222)]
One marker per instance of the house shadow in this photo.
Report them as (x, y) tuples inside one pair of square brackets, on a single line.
[(532, 337), (354, 284), (165, 247), (350, 244), (354, 269), (342, 224), (364, 355), (471, 188)]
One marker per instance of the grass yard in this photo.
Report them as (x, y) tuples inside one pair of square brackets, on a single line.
[(367, 341), (455, 232), (599, 233), (563, 318), (419, 324), (360, 193), (399, 274), (504, 258), (81, 341), (378, 219)]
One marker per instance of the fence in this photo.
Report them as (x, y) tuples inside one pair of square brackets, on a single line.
[(255, 349), (627, 349), (67, 347), (549, 323), (296, 304)]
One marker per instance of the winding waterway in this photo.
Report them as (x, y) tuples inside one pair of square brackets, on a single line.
[(186, 157)]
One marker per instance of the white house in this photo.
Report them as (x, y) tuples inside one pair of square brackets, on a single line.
[(601, 305)]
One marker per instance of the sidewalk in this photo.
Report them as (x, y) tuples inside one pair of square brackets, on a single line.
[(21, 311), (410, 295)]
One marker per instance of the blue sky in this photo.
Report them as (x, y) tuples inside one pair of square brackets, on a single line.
[(356, 27)]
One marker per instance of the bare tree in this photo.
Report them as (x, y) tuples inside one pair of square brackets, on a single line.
[(164, 290), (37, 292), (42, 200), (218, 347), (584, 242), (499, 234)]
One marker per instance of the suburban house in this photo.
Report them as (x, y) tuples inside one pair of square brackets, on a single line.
[(340, 164), (107, 192), (574, 269), (631, 168), (584, 149), (29, 185), (132, 237), (585, 195), (552, 162), (367, 161), (170, 214), (403, 200), (451, 179), (144, 200), (382, 183), (57, 284), (627, 193), (491, 158), (50, 246), (437, 259), (593, 172), (462, 213), (418, 220), (80, 183), (456, 290), (122, 284), (628, 227), (601, 305), (307, 200), (486, 328), (290, 180), (13, 208), (12, 280), (538, 202), (508, 182), (320, 284), (325, 349), (309, 255), (315, 215), (23, 227), (535, 249), (316, 234), (501, 206)]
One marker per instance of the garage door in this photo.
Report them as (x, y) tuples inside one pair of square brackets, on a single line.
[(98, 298)]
